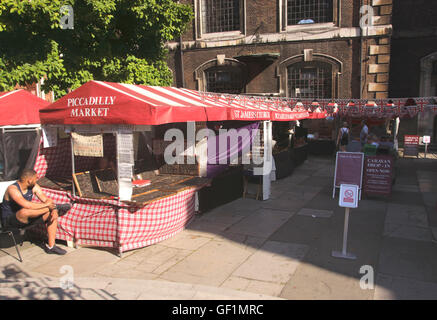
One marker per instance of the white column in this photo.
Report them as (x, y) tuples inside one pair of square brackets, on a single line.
[(268, 159)]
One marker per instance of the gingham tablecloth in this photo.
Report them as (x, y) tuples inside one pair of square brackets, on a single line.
[(110, 223)]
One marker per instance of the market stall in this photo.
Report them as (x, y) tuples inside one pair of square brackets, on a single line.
[(105, 147), (19, 134)]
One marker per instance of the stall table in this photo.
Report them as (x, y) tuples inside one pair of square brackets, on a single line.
[(156, 212)]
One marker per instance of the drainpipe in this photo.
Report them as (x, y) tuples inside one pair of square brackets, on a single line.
[(181, 62)]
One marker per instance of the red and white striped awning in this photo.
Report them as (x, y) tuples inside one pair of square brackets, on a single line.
[(98, 102)]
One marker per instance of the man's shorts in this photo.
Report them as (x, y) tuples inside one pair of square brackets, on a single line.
[(12, 222)]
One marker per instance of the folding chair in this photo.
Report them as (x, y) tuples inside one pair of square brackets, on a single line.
[(10, 233)]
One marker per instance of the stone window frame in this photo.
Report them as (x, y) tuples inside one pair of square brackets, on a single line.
[(425, 120), (199, 72), (426, 72), (336, 65), (200, 35), (283, 21), (322, 69)]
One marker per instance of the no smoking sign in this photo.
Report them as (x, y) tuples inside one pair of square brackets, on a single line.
[(348, 196)]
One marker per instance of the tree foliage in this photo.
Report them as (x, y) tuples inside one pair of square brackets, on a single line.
[(111, 40)]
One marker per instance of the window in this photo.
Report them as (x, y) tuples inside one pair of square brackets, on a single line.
[(220, 15), (224, 80), (310, 80), (434, 79), (309, 11), (296, 14)]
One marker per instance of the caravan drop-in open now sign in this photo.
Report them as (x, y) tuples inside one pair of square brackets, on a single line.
[(348, 196)]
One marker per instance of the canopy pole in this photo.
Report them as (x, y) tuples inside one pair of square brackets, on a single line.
[(73, 169), (4, 153)]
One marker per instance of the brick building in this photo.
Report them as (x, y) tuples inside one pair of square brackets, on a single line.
[(312, 49), (293, 48), (413, 70)]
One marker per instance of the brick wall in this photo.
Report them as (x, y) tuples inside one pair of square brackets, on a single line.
[(262, 18)]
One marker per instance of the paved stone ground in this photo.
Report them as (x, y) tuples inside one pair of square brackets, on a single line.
[(248, 249)]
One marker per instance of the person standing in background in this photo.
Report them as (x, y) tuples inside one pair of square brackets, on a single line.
[(364, 133), (343, 137)]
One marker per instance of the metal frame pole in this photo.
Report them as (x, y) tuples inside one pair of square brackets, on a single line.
[(345, 232), (73, 168)]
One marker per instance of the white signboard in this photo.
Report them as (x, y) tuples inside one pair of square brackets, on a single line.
[(50, 137), (426, 139), (348, 196), (125, 157), (88, 144)]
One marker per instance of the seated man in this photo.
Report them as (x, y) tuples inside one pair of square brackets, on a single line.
[(18, 210)]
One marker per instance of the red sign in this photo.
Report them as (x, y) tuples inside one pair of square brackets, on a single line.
[(409, 139), (378, 175), (348, 196), (349, 168)]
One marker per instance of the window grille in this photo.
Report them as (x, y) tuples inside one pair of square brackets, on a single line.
[(309, 11), (310, 82), (220, 15), (224, 80)]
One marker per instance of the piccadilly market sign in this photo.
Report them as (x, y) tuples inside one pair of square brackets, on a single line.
[(90, 106)]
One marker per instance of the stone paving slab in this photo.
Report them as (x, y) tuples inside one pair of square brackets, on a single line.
[(189, 241), (298, 196), (317, 181), (286, 204), (407, 215), (228, 217), (401, 288), (406, 258), (263, 287), (95, 259), (311, 282), (212, 264), (406, 198), (263, 223), (295, 178), (274, 262), (300, 229), (247, 242), (315, 213), (407, 232)]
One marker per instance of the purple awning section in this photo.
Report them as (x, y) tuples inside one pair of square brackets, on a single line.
[(223, 148)]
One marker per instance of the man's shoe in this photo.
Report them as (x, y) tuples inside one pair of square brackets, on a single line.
[(63, 208), (54, 250)]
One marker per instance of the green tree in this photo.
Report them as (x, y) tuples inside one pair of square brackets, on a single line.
[(111, 40)]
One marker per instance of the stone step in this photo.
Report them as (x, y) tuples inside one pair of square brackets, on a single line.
[(117, 289)]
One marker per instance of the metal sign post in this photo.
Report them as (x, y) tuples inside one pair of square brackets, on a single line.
[(348, 199), (426, 141)]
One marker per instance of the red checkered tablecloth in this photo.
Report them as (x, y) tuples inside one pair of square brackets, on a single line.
[(110, 223), (113, 224)]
